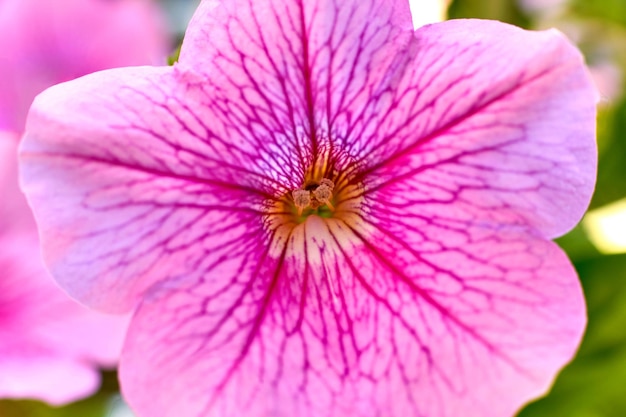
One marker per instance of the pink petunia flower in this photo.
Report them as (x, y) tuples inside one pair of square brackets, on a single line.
[(50, 346), (44, 42), (323, 213)]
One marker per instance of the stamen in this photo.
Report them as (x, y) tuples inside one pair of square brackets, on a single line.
[(301, 199), (323, 193), (328, 192), (328, 183)]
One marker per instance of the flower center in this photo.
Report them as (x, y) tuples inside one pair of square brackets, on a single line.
[(329, 190), (315, 198)]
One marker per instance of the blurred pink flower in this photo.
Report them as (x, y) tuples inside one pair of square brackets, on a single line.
[(46, 42), (322, 213), (607, 77), (50, 347)]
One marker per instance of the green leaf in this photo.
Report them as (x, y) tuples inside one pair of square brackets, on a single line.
[(504, 10), (607, 10), (611, 183)]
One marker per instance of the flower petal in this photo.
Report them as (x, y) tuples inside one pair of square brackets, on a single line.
[(252, 27), (130, 182), (490, 122), (302, 62), (339, 325)]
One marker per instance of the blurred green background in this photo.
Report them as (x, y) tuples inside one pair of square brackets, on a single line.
[(594, 384)]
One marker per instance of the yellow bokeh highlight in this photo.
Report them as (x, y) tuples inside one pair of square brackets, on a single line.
[(606, 227), (428, 11)]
